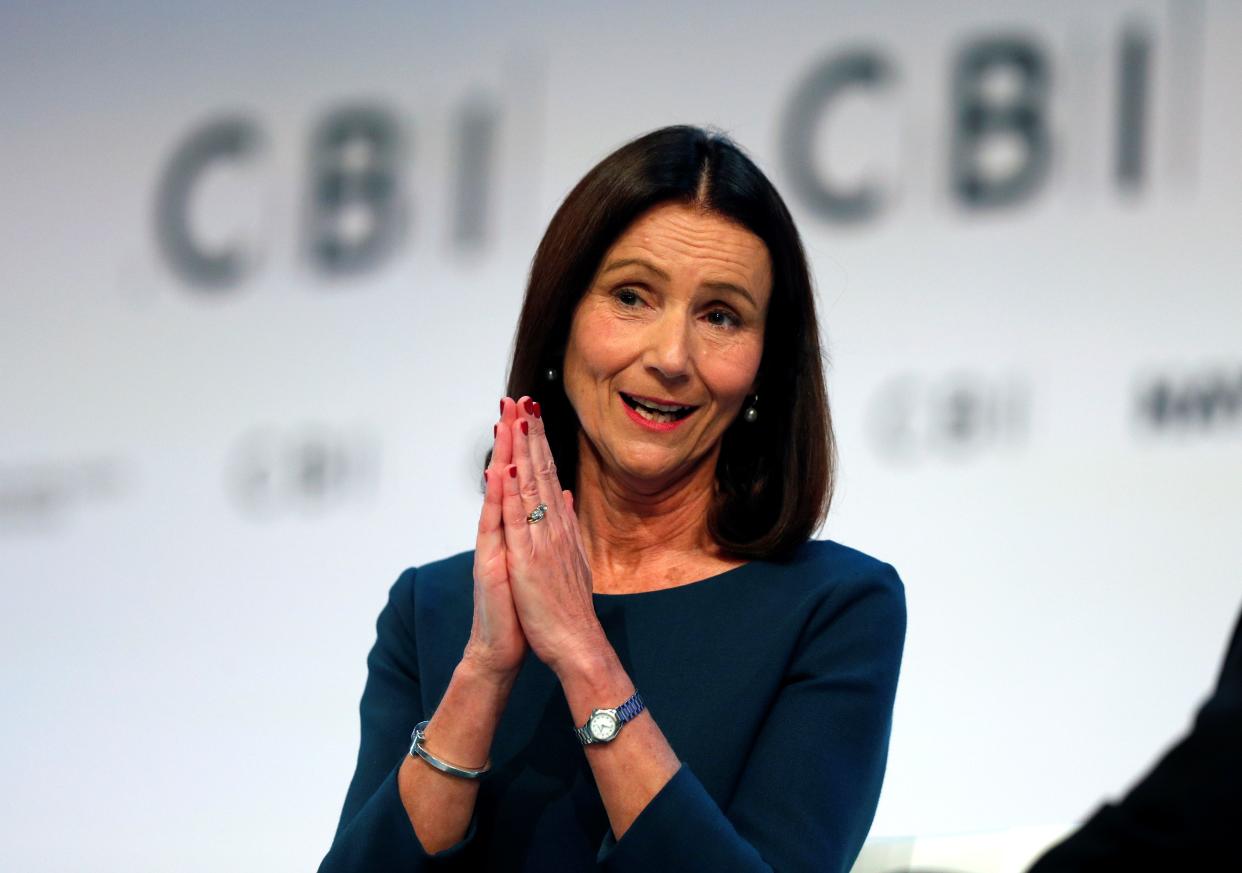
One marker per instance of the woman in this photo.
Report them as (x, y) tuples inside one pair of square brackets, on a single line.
[(658, 670)]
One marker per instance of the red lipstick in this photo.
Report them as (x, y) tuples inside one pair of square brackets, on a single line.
[(660, 426)]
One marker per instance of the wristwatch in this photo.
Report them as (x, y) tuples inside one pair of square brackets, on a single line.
[(604, 724)]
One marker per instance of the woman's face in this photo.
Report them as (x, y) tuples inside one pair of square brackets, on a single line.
[(666, 343)]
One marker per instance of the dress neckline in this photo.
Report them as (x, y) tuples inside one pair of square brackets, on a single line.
[(696, 584)]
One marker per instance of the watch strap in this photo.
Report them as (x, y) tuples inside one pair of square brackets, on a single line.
[(626, 712)]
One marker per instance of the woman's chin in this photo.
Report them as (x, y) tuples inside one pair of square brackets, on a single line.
[(650, 473)]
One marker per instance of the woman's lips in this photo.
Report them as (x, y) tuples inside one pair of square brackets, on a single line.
[(658, 401), (647, 423)]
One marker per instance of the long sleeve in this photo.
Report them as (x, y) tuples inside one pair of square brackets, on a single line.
[(808, 791), (1184, 813), (374, 833)]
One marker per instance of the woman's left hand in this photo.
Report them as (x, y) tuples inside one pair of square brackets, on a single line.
[(549, 574)]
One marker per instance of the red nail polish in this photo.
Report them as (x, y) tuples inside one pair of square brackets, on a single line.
[(530, 410), (494, 427), (502, 406), (525, 428), (538, 413), (512, 472), (484, 475)]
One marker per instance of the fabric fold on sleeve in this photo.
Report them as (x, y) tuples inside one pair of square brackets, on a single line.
[(684, 828), (381, 838), (375, 834)]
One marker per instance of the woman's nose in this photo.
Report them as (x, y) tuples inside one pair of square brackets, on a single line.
[(668, 348)]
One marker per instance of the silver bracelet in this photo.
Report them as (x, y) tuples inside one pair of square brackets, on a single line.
[(417, 738)]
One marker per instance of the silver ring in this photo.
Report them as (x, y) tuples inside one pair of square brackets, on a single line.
[(537, 513)]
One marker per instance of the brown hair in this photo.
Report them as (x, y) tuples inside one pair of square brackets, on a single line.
[(774, 475)]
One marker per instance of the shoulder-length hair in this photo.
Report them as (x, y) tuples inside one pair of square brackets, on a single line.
[(775, 475)]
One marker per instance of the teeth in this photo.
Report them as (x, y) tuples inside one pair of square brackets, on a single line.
[(655, 416), (658, 406)]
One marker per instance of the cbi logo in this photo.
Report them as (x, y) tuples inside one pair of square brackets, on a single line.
[(1003, 91), (1002, 95), (958, 416), (355, 208), (275, 472)]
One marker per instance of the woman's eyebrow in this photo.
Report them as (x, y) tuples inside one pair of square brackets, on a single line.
[(729, 286), (647, 265), (635, 262)]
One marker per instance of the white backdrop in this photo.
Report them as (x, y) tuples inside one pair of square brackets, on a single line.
[(205, 491)]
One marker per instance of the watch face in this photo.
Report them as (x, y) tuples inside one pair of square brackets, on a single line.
[(603, 725)]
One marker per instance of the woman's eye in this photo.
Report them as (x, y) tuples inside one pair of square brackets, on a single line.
[(722, 318), (627, 297)]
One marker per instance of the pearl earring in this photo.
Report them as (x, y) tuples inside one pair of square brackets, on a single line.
[(751, 414), (550, 374)]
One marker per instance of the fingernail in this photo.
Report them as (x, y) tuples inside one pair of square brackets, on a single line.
[(484, 475), (502, 406), (525, 428), (494, 429), (530, 409), (512, 472), (538, 413)]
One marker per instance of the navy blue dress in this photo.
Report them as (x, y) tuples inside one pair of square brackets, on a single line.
[(773, 682)]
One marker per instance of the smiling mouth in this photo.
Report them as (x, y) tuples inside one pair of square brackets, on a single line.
[(662, 413)]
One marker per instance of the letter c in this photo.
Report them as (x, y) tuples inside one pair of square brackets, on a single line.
[(226, 139), (857, 68)]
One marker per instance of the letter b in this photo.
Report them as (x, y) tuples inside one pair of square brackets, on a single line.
[(354, 217), (1000, 146)]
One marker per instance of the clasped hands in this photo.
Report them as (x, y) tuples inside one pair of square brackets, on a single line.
[(532, 582)]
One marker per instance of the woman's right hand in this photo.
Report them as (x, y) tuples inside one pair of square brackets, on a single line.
[(497, 645)]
